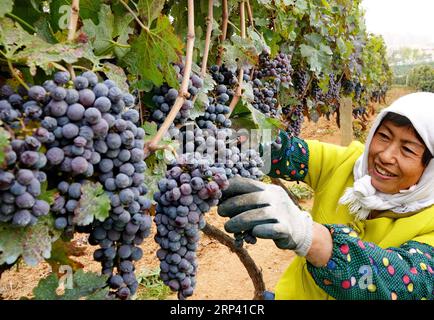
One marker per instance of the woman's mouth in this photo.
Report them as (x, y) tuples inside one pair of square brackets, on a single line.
[(383, 172)]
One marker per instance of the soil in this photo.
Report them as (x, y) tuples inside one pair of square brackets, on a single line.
[(221, 275)]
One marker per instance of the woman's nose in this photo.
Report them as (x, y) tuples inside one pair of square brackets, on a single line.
[(389, 154)]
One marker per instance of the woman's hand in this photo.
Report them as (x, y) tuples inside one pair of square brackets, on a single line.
[(268, 212)]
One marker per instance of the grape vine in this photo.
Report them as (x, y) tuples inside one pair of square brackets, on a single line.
[(92, 101)]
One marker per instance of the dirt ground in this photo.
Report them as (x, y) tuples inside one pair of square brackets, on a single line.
[(221, 275)]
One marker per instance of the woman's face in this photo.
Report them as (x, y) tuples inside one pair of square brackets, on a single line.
[(395, 158)]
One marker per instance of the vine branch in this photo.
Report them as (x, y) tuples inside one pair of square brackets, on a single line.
[(16, 75), (225, 19), (252, 269), (152, 145), (72, 27), (250, 14), (238, 92), (208, 36), (134, 16)]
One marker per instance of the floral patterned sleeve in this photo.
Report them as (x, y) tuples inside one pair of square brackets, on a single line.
[(290, 162), (361, 270)]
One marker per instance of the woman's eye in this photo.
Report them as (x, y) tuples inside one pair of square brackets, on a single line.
[(383, 136), (408, 150)]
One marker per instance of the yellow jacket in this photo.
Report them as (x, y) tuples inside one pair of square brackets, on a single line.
[(330, 173)]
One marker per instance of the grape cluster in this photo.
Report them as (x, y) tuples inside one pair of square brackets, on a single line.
[(294, 116), (265, 93), (348, 86), (266, 81), (191, 187), (185, 194), (278, 68), (300, 81), (222, 75), (90, 132), (219, 99), (20, 183), (165, 96), (216, 110), (331, 97)]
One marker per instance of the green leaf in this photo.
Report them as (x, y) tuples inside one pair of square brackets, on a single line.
[(6, 7), (61, 253), (301, 6), (246, 116), (116, 74), (87, 285), (241, 52), (43, 54), (47, 195), (23, 47), (101, 34), (4, 142), (151, 130), (318, 60), (156, 170), (110, 27), (33, 243), (153, 52), (149, 10), (89, 9), (46, 288), (94, 203)]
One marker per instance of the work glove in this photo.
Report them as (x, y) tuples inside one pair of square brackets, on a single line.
[(266, 211)]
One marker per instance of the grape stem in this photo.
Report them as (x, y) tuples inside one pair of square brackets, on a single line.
[(209, 20), (135, 16), (16, 75), (72, 27), (152, 145), (225, 19), (252, 269), (250, 14), (24, 23), (238, 92)]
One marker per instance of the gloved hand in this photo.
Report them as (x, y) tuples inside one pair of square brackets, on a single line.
[(268, 212)]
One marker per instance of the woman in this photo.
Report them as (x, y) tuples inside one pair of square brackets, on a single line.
[(370, 234)]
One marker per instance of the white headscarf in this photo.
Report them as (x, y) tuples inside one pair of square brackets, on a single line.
[(363, 197)]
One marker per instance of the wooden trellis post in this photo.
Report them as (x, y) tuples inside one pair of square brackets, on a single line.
[(346, 121)]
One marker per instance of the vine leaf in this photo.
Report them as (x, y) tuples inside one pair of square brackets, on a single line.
[(6, 7), (47, 195), (33, 243), (246, 116), (21, 46), (87, 285), (240, 53), (89, 8), (61, 253), (149, 10), (116, 74), (4, 142), (94, 203), (109, 27), (152, 53)]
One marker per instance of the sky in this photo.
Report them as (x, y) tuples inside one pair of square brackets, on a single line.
[(401, 22)]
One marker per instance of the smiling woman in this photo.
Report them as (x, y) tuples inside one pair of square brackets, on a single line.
[(370, 234), (397, 155)]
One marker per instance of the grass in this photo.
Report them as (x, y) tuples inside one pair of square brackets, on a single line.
[(151, 287)]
